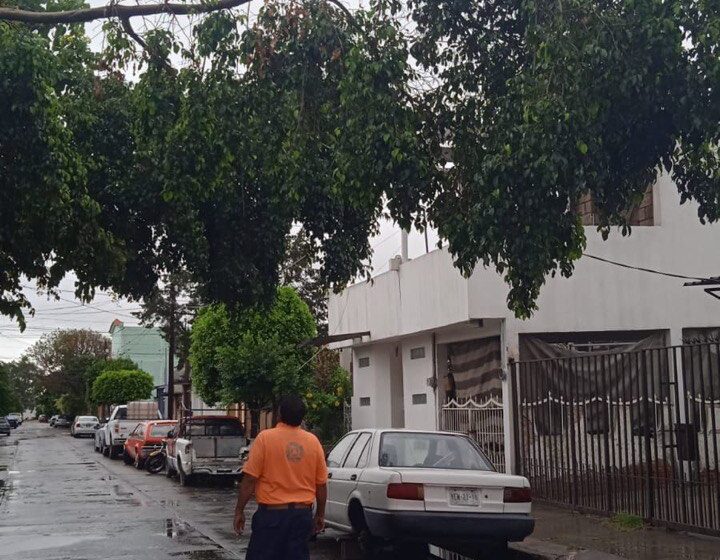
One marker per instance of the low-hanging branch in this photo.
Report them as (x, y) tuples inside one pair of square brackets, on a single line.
[(112, 10)]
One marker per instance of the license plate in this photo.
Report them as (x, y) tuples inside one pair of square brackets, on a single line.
[(463, 497)]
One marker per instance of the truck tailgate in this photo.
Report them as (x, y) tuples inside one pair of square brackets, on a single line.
[(218, 447)]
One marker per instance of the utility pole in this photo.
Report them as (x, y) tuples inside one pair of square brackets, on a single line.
[(171, 351)]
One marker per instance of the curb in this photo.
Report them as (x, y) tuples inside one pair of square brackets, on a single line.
[(543, 550)]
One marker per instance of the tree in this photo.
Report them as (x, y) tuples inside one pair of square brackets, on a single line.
[(314, 116), (99, 366), (327, 395), (8, 400), (122, 386), (302, 271), (55, 350), (23, 377), (66, 359), (253, 357)]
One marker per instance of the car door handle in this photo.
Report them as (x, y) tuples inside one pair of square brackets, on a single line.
[(353, 477), (329, 474)]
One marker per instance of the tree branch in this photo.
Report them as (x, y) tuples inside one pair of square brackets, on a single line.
[(115, 10), (130, 31)]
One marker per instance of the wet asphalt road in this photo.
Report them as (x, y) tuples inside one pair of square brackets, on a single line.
[(61, 500)]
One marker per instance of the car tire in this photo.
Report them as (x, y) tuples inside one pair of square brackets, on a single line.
[(126, 458), (105, 450), (185, 479)]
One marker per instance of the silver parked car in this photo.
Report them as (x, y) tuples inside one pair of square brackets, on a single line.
[(84, 426), (62, 421)]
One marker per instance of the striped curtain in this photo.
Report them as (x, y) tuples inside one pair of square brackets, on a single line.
[(474, 369)]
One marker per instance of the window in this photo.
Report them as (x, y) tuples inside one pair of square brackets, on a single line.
[(364, 362), (417, 353), (215, 427), (357, 450), (161, 430), (419, 398), (640, 215), (138, 430), (336, 456), (364, 401), (430, 450)]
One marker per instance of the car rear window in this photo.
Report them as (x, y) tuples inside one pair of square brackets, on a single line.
[(87, 419), (161, 430), (431, 451), (215, 427)]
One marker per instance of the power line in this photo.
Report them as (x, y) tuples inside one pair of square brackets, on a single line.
[(643, 269)]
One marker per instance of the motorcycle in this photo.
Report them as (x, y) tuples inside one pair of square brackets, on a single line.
[(155, 462)]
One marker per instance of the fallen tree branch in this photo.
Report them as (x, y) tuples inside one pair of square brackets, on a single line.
[(121, 11)]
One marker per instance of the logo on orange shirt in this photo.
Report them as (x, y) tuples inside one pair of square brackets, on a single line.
[(294, 452)]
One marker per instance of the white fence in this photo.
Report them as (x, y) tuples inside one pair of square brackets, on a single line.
[(482, 420)]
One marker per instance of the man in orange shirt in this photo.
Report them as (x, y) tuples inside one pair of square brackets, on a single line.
[(287, 472)]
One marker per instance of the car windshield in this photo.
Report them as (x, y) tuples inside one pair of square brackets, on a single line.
[(161, 430), (431, 450), (215, 427)]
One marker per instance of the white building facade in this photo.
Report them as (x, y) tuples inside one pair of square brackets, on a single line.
[(411, 321)]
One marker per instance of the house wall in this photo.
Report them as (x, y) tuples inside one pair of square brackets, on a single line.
[(428, 296), (416, 373), (144, 346), (373, 381)]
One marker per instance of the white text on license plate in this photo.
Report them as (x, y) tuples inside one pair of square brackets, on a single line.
[(463, 497)]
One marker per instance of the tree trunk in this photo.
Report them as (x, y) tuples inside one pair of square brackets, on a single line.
[(171, 356), (254, 422)]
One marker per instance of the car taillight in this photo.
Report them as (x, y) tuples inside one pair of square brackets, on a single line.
[(406, 491), (77, 425), (517, 496)]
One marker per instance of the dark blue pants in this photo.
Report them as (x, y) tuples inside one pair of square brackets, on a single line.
[(280, 534)]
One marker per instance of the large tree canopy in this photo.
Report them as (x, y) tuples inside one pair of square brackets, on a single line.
[(221, 141)]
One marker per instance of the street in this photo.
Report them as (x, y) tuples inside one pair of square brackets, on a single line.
[(61, 500)]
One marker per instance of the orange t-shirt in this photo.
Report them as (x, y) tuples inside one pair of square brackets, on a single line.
[(288, 463)]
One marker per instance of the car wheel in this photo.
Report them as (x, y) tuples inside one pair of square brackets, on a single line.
[(185, 479), (105, 450), (370, 545)]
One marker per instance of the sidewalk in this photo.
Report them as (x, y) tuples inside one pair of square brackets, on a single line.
[(560, 533)]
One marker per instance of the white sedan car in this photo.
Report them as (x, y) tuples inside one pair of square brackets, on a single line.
[(84, 426), (415, 488)]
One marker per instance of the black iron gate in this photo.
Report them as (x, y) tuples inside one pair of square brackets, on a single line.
[(635, 432)]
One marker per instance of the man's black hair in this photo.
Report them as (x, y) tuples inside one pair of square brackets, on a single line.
[(292, 410)]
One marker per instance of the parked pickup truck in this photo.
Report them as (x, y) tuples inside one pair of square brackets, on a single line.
[(209, 445), (110, 438)]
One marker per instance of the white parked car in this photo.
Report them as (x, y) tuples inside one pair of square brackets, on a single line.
[(415, 488), (84, 426)]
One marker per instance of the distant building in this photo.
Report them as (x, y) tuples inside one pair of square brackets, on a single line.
[(143, 345)]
